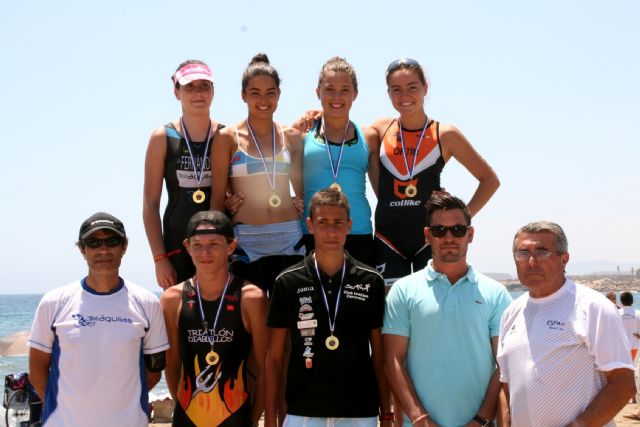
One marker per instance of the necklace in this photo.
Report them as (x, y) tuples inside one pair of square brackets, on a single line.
[(332, 342), (212, 357), (411, 190), (335, 169), (198, 195), (274, 199)]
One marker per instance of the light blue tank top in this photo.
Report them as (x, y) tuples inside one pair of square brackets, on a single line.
[(351, 176)]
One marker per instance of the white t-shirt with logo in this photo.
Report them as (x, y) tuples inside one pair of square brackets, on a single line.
[(97, 343), (553, 352), (631, 322)]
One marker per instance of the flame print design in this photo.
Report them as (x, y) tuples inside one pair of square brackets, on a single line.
[(209, 409)]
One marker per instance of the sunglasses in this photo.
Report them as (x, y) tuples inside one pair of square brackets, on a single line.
[(539, 255), (95, 243), (441, 230), (411, 63)]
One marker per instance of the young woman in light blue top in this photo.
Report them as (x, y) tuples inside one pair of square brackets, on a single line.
[(338, 153)]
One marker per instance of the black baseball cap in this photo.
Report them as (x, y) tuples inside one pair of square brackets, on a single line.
[(101, 221), (220, 222)]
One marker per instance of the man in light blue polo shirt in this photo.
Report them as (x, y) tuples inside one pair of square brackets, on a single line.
[(441, 329)]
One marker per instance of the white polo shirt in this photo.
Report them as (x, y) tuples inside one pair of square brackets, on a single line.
[(631, 321), (97, 344), (553, 352)]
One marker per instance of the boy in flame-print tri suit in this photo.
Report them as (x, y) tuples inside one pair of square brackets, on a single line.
[(214, 319)]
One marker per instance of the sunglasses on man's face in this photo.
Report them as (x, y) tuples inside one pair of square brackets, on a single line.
[(412, 63), (441, 230), (95, 243)]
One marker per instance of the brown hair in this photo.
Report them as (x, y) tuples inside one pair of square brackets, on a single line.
[(409, 64), (329, 197), (259, 66), (337, 64), (439, 202)]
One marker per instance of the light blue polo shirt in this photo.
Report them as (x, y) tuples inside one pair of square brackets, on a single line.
[(449, 357)]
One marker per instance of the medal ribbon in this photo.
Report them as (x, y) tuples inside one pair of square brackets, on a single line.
[(336, 169), (193, 159), (404, 150), (332, 325), (215, 321), (272, 181)]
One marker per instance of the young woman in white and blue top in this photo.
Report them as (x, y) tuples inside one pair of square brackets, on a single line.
[(338, 153), (259, 159)]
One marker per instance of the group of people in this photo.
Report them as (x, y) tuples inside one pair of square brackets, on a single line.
[(249, 169), (293, 307)]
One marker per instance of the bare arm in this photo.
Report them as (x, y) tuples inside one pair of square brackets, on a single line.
[(454, 144), (153, 177), (395, 350), (610, 400), (504, 412), (307, 120), (254, 317), (39, 364), (152, 378), (274, 367), (171, 304), (295, 147), (220, 161), (488, 408), (377, 355), (373, 169)]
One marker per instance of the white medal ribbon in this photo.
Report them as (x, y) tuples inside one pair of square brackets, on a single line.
[(212, 338), (193, 159), (334, 170), (404, 150), (332, 325), (272, 181)]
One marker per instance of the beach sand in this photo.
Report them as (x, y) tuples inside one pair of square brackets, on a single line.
[(14, 345), (620, 420)]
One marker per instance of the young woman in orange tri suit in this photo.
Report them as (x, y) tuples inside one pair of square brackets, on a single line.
[(179, 154), (413, 152), (259, 159)]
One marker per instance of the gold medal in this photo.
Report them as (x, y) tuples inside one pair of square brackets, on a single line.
[(199, 196), (332, 342), (212, 358), (335, 186), (274, 200), (411, 190)]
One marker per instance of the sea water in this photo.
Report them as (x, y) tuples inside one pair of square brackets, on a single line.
[(16, 315)]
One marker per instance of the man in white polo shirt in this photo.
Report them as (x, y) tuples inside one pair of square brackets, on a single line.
[(563, 355), (98, 344)]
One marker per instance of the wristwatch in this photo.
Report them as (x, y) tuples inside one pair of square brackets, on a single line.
[(482, 421)]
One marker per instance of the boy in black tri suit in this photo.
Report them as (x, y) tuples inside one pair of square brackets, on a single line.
[(214, 319), (330, 307)]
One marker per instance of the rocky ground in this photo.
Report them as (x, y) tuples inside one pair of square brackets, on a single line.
[(615, 283)]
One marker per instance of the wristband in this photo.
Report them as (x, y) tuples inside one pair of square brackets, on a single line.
[(386, 417), (159, 257), (481, 420), (419, 418)]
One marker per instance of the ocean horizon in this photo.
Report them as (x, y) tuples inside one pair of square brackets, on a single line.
[(17, 312)]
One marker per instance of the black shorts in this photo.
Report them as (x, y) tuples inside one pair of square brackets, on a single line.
[(393, 265)]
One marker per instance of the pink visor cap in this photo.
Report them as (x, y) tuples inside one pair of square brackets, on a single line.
[(192, 72)]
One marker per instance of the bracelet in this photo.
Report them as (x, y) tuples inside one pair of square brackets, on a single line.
[(159, 257), (419, 418), (386, 417)]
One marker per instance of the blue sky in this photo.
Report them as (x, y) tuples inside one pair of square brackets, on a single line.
[(546, 91)]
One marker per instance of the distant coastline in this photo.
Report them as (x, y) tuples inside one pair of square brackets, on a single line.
[(599, 282)]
